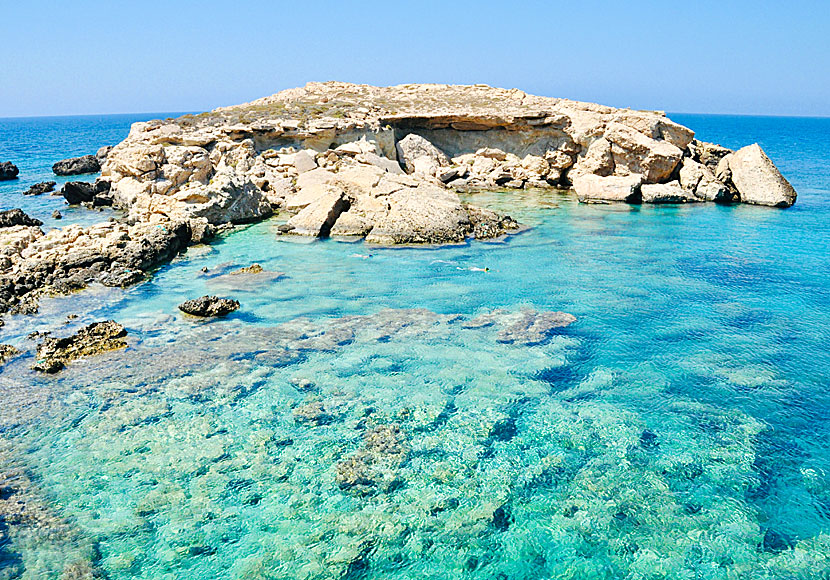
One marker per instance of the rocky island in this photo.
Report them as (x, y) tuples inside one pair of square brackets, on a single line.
[(381, 163)]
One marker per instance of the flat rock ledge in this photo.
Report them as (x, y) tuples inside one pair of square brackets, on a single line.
[(209, 306), (54, 353)]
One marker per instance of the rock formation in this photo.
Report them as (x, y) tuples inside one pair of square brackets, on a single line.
[(209, 306), (16, 217), (77, 165), (98, 337), (8, 171), (67, 259), (386, 163), (39, 188)]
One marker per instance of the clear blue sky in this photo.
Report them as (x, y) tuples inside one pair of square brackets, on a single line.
[(753, 57)]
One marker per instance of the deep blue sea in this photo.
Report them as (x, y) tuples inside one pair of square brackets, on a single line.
[(680, 428)]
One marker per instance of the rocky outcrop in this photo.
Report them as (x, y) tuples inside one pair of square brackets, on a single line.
[(63, 260), (383, 162), (40, 188), (8, 171), (209, 306), (77, 165), (755, 178), (16, 217), (98, 337)]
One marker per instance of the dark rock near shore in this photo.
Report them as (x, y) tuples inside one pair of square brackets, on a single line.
[(98, 193), (98, 337), (209, 306), (56, 215), (16, 217), (8, 171), (77, 165), (7, 352), (39, 188)]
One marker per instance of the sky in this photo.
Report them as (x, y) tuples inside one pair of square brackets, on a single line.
[(735, 57)]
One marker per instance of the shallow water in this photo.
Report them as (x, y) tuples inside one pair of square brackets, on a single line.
[(678, 429)]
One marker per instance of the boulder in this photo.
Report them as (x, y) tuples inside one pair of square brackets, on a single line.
[(16, 217), (77, 165), (8, 171), (655, 160), (426, 214), (756, 178), (209, 306), (39, 188), (318, 218), (592, 188), (666, 193), (75, 192), (98, 337), (420, 156)]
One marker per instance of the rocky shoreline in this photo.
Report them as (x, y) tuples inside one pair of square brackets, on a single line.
[(385, 164)]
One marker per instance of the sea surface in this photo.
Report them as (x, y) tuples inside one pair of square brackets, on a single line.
[(351, 421)]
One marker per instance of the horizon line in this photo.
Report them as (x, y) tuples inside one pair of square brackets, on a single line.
[(180, 113)]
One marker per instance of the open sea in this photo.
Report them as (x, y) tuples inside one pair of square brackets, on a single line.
[(348, 421)]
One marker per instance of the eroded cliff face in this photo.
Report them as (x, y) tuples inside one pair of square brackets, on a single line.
[(386, 162)]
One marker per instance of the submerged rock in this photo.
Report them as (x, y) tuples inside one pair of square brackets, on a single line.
[(374, 468), (8, 171), (207, 306), (16, 217), (77, 165), (526, 327), (98, 337), (252, 269), (40, 188)]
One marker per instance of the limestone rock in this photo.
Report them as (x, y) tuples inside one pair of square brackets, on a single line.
[(592, 188), (420, 156), (209, 306), (666, 193), (426, 214), (8, 171), (98, 337), (318, 218), (757, 179), (77, 165), (698, 180)]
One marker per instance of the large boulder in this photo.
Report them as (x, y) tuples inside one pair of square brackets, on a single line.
[(98, 193), (77, 165), (8, 171), (420, 156), (318, 218), (756, 178), (592, 188), (426, 214)]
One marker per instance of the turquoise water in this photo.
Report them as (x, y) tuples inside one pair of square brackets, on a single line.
[(678, 429)]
